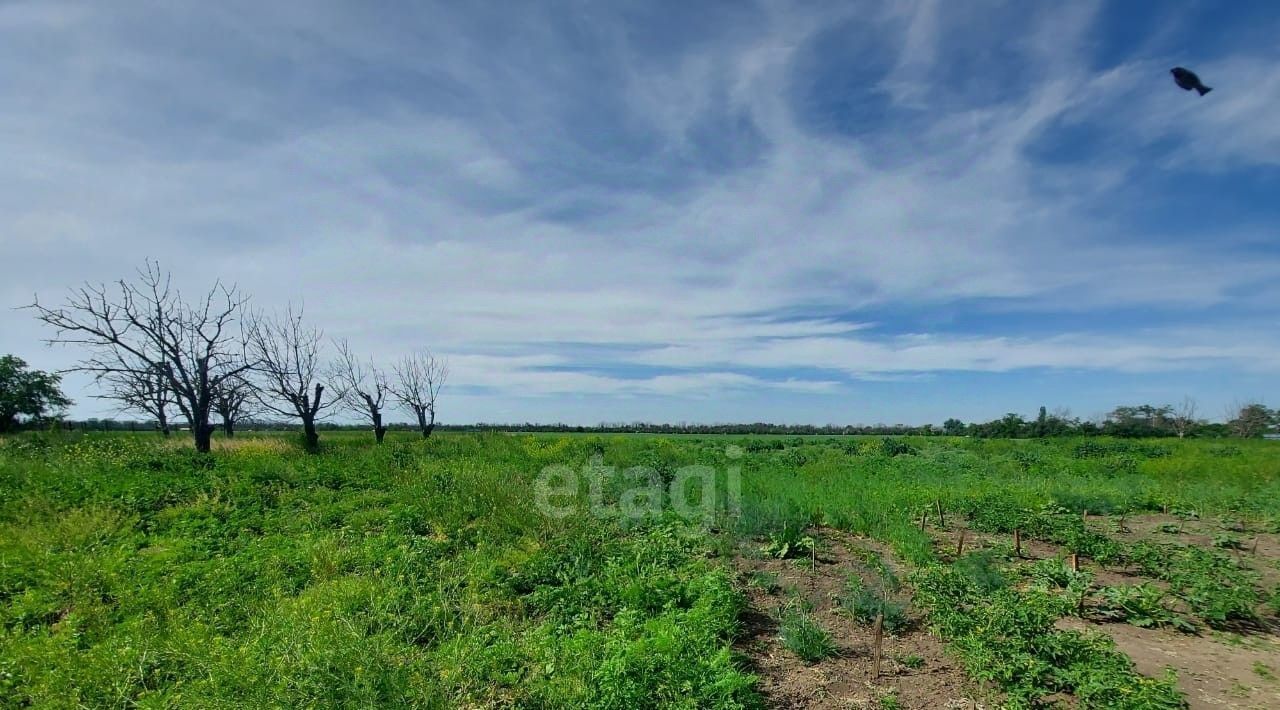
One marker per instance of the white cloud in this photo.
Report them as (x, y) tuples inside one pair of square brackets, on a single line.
[(544, 202)]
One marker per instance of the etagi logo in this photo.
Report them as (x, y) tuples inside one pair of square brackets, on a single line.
[(701, 493)]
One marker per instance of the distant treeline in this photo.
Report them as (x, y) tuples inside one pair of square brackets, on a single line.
[(1250, 421)]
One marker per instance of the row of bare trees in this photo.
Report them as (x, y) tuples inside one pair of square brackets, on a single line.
[(152, 350)]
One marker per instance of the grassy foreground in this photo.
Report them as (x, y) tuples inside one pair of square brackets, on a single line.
[(136, 573)]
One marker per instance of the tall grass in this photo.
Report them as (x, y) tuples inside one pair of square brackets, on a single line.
[(135, 571)]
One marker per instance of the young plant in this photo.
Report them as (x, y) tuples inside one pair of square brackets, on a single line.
[(1144, 606), (864, 604), (802, 636), (910, 660), (1227, 541), (789, 542), (766, 582)]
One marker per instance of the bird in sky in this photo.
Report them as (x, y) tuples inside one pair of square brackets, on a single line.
[(1187, 80)]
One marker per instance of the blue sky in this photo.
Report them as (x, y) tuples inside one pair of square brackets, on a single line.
[(803, 212)]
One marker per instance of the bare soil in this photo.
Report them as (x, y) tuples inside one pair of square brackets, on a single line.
[(914, 668), (1215, 670)]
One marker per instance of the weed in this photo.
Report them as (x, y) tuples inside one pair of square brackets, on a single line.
[(766, 582), (1227, 541), (802, 636), (983, 570), (1143, 605), (790, 542), (910, 660), (864, 604), (1008, 638), (889, 701)]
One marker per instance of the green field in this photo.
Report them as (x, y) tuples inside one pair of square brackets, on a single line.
[(134, 572)]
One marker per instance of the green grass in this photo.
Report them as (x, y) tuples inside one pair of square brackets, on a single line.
[(413, 573), (802, 636), (865, 603), (136, 572)]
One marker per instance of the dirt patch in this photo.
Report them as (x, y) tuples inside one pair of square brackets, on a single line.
[(914, 670), (1213, 672)]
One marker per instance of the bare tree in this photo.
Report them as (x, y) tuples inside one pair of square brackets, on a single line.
[(234, 402), (145, 391), (287, 357), (418, 379), (144, 327), (365, 388), (1184, 417)]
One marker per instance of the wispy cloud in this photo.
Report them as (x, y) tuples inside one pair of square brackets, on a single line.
[(659, 202)]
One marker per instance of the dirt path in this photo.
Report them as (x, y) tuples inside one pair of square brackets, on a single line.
[(915, 673)]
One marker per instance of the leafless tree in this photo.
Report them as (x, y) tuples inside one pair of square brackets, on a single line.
[(141, 390), (364, 386), (234, 402), (288, 361), (143, 327), (418, 379), (1184, 417)]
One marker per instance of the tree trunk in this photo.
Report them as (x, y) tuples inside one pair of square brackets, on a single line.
[(163, 421), (423, 425), (311, 437), (228, 427), (379, 431), (203, 434)]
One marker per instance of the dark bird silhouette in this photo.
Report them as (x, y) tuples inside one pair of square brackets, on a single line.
[(1187, 80)]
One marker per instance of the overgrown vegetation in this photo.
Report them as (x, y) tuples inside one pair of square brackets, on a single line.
[(137, 571), (1007, 637)]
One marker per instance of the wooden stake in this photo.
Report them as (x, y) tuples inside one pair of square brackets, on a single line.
[(942, 521), (960, 544), (1084, 515), (879, 643), (1017, 543), (1254, 551), (1075, 562), (924, 519)]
